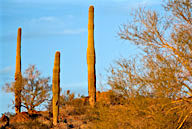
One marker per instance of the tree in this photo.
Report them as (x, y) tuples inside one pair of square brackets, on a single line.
[(167, 43), (164, 71), (35, 89)]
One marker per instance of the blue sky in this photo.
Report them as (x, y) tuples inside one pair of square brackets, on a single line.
[(51, 25)]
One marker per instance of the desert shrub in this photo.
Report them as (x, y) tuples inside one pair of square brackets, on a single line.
[(66, 97), (139, 112)]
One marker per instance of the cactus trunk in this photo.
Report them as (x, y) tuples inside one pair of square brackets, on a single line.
[(91, 58), (18, 76), (56, 87)]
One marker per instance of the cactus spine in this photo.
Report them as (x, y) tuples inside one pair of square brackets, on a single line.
[(56, 87), (18, 76), (91, 58)]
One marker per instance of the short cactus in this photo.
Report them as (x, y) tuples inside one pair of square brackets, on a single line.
[(91, 59), (18, 76), (56, 87)]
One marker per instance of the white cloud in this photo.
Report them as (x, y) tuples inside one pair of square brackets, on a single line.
[(49, 1), (6, 70), (119, 0), (40, 34), (44, 19), (50, 26), (147, 2), (72, 31), (49, 19)]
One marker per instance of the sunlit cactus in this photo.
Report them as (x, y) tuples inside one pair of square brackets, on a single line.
[(56, 87), (18, 76), (91, 59)]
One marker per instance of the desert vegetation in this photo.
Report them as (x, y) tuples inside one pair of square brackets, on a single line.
[(149, 91)]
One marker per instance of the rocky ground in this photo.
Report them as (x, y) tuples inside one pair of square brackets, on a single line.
[(70, 117), (75, 113)]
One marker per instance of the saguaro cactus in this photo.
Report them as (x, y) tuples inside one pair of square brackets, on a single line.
[(91, 58), (56, 87), (18, 76)]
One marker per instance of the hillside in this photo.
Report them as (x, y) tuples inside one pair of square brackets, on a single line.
[(112, 112)]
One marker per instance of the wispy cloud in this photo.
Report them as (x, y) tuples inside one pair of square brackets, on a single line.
[(44, 19), (141, 2), (119, 1), (49, 19), (50, 26), (48, 1), (72, 31), (147, 3), (45, 33), (6, 70)]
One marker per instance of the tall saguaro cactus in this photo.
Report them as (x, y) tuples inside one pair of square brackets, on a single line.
[(18, 76), (91, 58), (56, 87)]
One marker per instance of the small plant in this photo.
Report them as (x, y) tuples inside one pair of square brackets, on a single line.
[(67, 97)]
